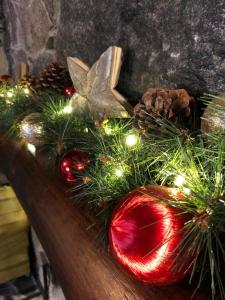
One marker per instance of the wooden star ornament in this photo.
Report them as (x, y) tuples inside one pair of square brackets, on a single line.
[(96, 85)]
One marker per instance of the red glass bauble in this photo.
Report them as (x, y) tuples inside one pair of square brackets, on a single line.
[(73, 161), (69, 91), (144, 234)]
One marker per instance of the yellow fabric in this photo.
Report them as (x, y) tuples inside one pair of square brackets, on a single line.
[(14, 260)]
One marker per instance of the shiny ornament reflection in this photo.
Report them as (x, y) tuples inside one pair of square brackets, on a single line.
[(31, 129), (69, 91), (73, 161), (145, 233)]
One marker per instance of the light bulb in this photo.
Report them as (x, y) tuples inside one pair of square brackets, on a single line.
[(131, 140), (8, 102), (119, 172), (108, 130), (67, 109), (9, 94), (26, 91), (179, 180), (31, 148)]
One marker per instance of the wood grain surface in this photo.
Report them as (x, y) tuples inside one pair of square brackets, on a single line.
[(84, 271)]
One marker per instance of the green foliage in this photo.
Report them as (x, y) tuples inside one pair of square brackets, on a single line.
[(15, 104), (124, 158), (193, 166), (201, 164), (63, 129)]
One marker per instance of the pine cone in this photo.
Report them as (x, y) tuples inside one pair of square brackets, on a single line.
[(30, 81), (173, 105), (55, 77)]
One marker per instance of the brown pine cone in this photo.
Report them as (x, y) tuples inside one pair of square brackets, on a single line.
[(173, 105), (30, 81), (55, 77)]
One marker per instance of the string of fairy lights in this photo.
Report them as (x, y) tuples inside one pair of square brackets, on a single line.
[(28, 128), (32, 129)]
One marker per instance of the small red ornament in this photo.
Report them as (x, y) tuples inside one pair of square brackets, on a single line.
[(4, 78), (144, 233), (69, 91), (75, 160)]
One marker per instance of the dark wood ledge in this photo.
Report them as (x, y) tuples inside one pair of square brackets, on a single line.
[(84, 271)]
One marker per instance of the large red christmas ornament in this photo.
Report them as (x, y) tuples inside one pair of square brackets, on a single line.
[(144, 234), (73, 161), (69, 91)]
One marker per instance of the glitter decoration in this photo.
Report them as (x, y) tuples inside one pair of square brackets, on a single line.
[(31, 129)]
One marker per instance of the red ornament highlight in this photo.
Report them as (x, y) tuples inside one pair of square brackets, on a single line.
[(144, 234), (73, 161), (69, 91)]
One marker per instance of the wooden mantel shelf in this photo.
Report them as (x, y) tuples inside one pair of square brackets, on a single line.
[(84, 271)]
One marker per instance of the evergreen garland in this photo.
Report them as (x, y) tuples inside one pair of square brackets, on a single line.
[(124, 158)]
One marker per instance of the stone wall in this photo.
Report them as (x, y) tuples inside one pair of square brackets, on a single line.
[(3, 59), (31, 29), (177, 43)]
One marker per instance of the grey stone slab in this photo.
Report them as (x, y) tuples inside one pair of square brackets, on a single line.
[(176, 43), (166, 43), (29, 24)]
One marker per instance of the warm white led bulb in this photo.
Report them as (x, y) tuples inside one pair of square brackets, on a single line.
[(67, 109), (31, 148), (119, 172), (108, 130), (26, 91), (179, 180), (186, 191), (9, 94), (131, 140)]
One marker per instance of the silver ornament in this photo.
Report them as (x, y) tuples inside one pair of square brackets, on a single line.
[(31, 129)]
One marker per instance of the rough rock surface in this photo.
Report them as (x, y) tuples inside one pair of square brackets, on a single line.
[(31, 30), (166, 43)]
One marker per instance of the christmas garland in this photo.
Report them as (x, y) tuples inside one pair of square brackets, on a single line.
[(171, 182)]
